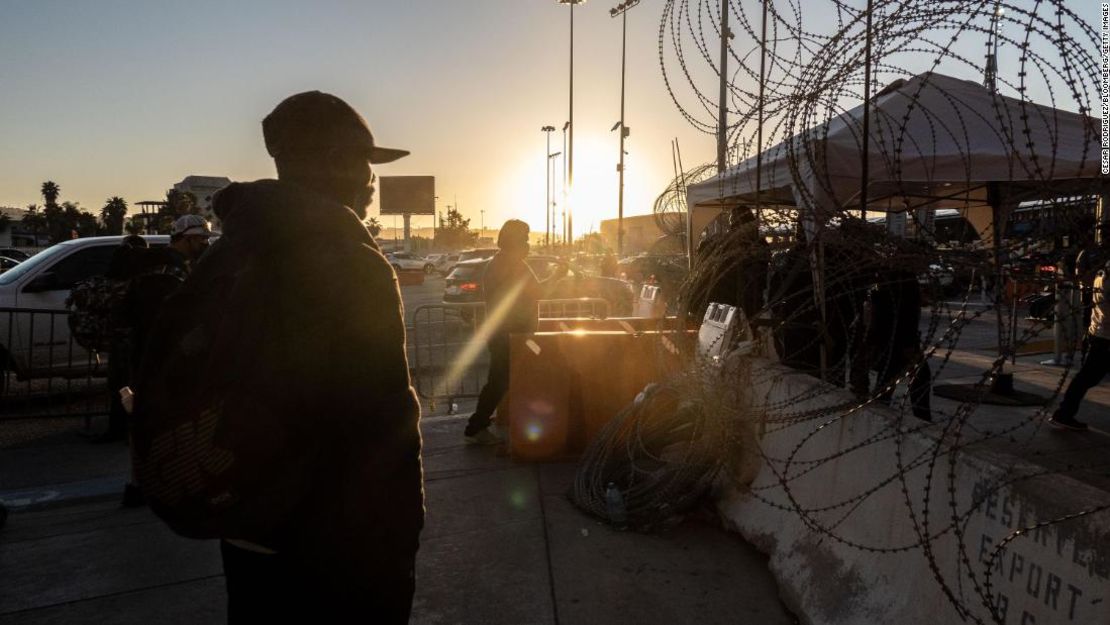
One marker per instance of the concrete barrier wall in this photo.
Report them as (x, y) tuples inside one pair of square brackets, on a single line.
[(871, 519)]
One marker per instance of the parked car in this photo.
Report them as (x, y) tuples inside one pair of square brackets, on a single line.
[(481, 253), (464, 283), (434, 258), (443, 263), (668, 270), (14, 253), (38, 345), (405, 261), (7, 263)]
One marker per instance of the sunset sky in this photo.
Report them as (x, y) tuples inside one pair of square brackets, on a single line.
[(118, 97)]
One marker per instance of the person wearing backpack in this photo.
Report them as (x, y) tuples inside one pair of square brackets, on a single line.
[(274, 409), (154, 274), (160, 272)]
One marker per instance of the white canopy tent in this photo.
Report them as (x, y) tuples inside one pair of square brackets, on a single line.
[(935, 141)]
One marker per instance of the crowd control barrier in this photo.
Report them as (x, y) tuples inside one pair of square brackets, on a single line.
[(447, 348), (43, 372)]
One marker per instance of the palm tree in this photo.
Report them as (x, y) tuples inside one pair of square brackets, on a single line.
[(50, 192), (113, 215), (374, 226)]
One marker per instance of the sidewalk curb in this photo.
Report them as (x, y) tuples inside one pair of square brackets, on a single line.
[(60, 495)]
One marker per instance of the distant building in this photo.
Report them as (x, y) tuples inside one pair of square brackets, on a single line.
[(203, 188), (641, 235), (14, 234)]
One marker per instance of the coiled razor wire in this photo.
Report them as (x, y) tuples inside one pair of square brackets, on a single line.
[(806, 81), (662, 452)]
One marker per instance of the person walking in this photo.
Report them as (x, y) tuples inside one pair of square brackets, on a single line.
[(123, 267), (893, 339), (1097, 362), (155, 273), (512, 292), (306, 360)]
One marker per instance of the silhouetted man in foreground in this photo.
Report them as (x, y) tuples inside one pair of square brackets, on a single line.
[(306, 378)]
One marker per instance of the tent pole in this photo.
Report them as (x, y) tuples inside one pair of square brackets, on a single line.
[(759, 128), (866, 141), (994, 198), (722, 108)]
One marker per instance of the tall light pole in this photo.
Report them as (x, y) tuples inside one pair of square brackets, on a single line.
[(622, 10), (722, 108), (565, 201), (990, 72), (551, 172), (865, 160), (570, 148), (547, 197)]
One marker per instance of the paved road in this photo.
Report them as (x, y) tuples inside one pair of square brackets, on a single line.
[(431, 292), (502, 546)]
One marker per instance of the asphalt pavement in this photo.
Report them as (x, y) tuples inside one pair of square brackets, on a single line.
[(503, 544)]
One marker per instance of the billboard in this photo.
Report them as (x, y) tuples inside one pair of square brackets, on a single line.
[(407, 195)]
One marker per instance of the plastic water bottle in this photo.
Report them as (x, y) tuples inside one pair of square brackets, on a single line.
[(614, 506)]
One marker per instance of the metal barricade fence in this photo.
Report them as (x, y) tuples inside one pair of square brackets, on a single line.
[(448, 362), (43, 372), (578, 308), (448, 357)]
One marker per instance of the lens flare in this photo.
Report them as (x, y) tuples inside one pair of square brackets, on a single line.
[(474, 346), (518, 499)]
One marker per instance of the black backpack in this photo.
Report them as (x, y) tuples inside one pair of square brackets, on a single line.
[(97, 319), (216, 453)]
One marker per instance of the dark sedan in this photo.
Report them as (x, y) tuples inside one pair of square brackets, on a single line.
[(464, 283)]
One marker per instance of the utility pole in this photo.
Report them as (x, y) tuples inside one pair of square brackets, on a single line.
[(865, 165), (722, 108), (569, 151), (565, 184), (622, 10), (547, 200), (990, 72), (762, 104)]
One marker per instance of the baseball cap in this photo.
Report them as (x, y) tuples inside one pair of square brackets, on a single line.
[(316, 121), (190, 225)]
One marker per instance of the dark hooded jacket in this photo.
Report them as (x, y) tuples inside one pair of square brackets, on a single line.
[(331, 359)]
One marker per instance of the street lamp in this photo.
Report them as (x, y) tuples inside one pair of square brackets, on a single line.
[(550, 172), (565, 200), (570, 148), (622, 10), (547, 197)]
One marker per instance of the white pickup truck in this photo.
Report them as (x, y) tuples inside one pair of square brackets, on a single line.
[(34, 329)]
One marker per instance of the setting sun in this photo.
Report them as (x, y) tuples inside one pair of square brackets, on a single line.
[(594, 195)]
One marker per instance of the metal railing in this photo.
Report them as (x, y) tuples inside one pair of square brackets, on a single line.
[(447, 355), (577, 308), (440, 334), (44, 372)]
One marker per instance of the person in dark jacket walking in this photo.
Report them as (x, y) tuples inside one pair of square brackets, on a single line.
[(512, 292), (1097, 363), (313, 344), (893, 341), (155, 273), (125, 265)]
